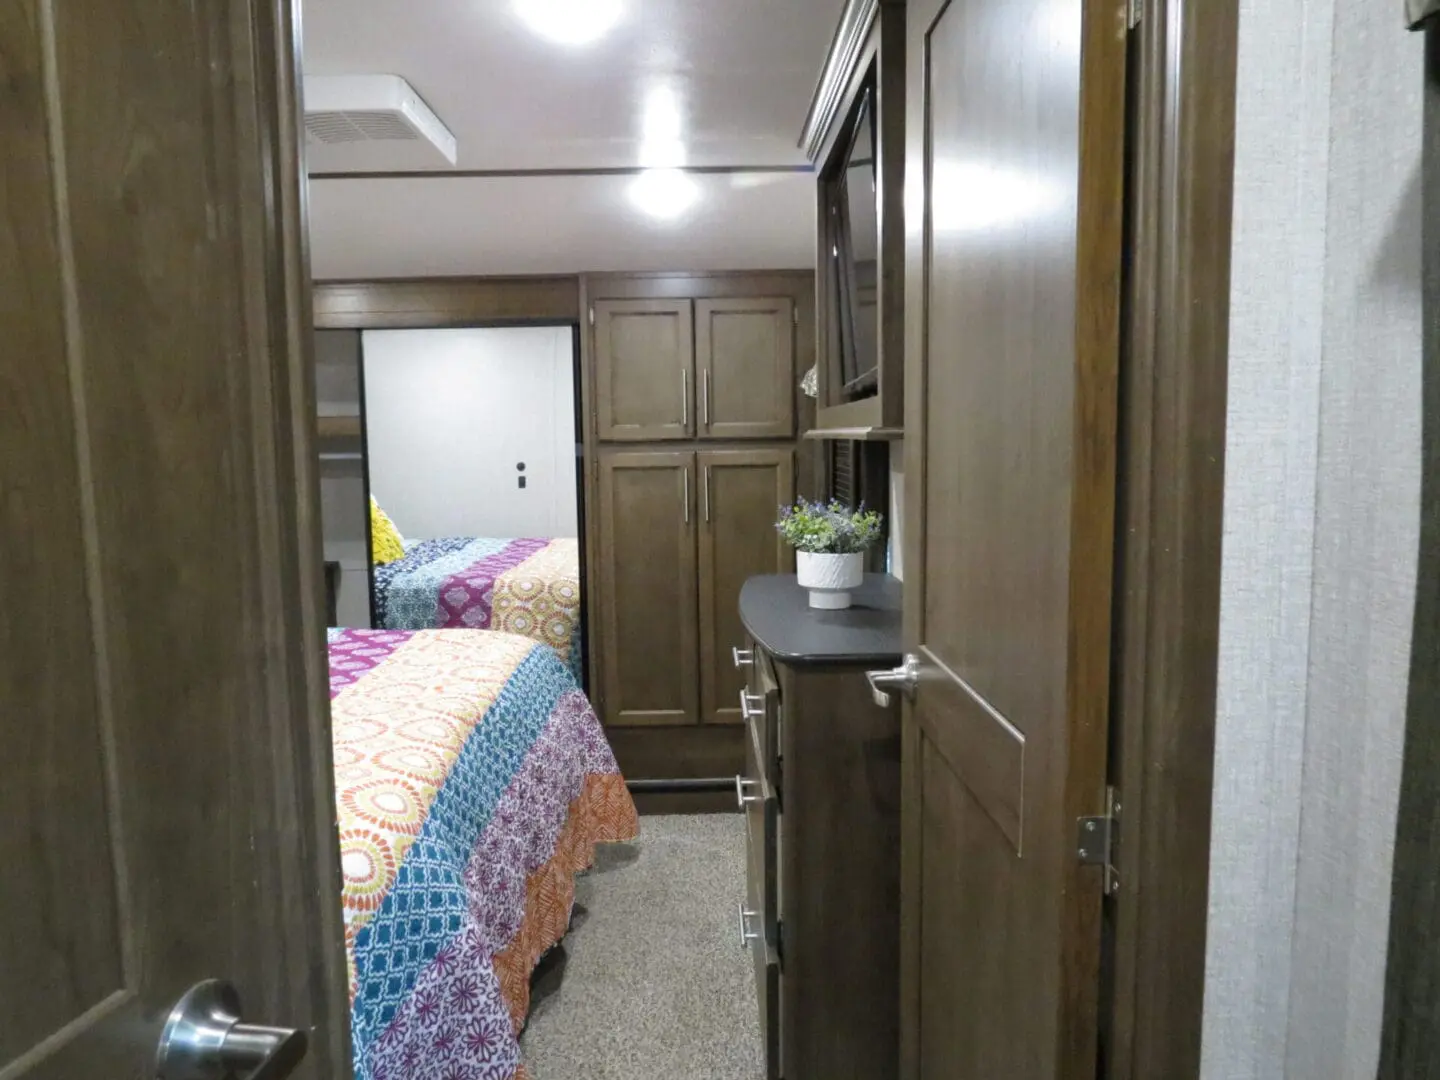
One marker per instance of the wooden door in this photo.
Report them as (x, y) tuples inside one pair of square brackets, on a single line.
[(166, 813), (1015, 155), (740, 495), (745, 364), (644, 370), (649, 604)]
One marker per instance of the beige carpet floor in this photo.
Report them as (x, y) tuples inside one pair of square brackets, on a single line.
[(653, 982)]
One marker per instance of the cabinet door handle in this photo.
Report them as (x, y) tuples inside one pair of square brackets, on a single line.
[(749, 711), (705, 398), (741, 799), (684, 399), (707, 492), (685, 493), (746, 934), (743, 657)]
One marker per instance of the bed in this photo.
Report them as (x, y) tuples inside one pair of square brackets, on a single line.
[(529, 587), (473, 782)]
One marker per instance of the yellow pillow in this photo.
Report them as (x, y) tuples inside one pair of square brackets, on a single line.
[(385, 543)]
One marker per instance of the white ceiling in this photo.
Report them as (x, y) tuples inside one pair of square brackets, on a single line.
[(555, 225), (730, 81)]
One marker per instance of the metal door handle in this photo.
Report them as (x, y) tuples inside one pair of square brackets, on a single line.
[(746, 934), (904, 678), (743, 657), (205, 1040), (707, 492), (741, 799), (705, 398), (684, 399), (685, 494), (745, 706)]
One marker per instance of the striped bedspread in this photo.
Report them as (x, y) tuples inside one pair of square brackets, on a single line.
[(529, 587), (473, 781)]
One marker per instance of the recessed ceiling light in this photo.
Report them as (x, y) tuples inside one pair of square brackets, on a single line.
[(664, 193), (569, 22)]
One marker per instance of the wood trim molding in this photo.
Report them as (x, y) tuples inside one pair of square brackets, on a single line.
[(846, 46), (1167, 614), (437, 302)]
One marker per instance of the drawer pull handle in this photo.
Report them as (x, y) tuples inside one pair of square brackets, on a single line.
[(741, 799), (751, 706), (746, 934), (743, 657)]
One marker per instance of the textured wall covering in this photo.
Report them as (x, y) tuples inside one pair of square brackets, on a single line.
[(1321, 521)]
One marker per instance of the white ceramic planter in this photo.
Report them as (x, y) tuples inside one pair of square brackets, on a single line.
[(829, 577)]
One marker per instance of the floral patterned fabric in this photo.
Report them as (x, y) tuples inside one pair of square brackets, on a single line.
[(528, 587), (473, 781)]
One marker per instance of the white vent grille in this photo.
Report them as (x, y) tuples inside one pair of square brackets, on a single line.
[(358, 126), (344, 110)]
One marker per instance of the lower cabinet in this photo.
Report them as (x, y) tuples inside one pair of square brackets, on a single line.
[(680, 532), (820, 792)]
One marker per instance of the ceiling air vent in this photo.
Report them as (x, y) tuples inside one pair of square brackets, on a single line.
[(371, 123)]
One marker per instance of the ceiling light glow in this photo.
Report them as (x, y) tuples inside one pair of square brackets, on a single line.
[(662, 143), (664, 193), (569, 22)]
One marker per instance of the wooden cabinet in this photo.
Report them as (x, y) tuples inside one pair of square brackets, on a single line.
[(708, 368), (821, 795), (680, 532), (740, 492), (649, 592), (745, 364), (644, 369)]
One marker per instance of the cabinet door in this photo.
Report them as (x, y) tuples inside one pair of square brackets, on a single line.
[(644, 369), (745, 363), (648, 587), (740, 494)]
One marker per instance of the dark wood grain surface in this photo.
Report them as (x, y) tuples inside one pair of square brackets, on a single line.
[(739, 493), (745, 367), (648, 586), (436, 302), (644, 370), (171, 818), (1012, 353), (1172, 451)]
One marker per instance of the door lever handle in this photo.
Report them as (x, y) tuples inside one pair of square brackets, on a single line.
[(904, 679), (205, 1040)]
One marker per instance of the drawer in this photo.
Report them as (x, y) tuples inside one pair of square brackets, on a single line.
[(767, 997), (757, 801)]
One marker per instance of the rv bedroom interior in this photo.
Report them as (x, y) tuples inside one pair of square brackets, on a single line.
[(566, 379), (718, 539)]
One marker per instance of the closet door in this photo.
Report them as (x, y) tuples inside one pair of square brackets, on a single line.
[(745, 363), (648, 512), (644, 370), (740, 493)]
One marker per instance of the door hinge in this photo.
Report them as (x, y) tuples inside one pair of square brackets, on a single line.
[(1096, 838), (592, 316), (1136, 9)]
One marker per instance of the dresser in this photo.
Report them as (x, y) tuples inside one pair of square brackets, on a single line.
[(821, 797)]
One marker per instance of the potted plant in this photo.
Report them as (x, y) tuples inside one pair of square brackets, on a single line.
[(830, 541)]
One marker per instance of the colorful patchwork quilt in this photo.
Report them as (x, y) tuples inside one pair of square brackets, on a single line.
[(473, 782), (527, 587)]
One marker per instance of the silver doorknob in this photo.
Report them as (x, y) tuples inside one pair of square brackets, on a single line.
[(205, 1040), (904, 678)]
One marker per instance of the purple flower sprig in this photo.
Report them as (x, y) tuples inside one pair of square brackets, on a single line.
[(829, 528)]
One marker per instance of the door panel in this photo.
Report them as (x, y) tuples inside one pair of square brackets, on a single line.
[(745, 363), (167, 818), (649, 606), (644, 370), (740, 493), (1015, 157)]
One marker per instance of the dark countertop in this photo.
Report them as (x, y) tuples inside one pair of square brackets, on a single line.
[(775, 611)]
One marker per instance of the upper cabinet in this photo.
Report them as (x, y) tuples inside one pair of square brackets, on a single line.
[(745, 358), (644, 362), (855, 134), (677, 367)]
